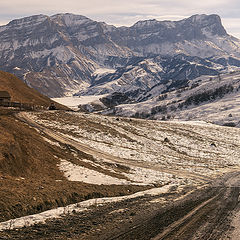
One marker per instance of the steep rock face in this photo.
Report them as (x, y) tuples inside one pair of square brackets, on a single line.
[(90, 37), (58, 55), (199, 35), (54, 54), (32, 46)]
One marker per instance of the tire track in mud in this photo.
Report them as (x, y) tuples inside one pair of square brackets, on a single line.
[(206, 214), (183, 220)]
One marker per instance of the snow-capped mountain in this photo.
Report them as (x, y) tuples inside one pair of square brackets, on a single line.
[(142, 76), (62, 53), (199, 35), (54, 54)]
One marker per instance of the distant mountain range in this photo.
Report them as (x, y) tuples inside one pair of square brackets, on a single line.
[(212, 99), (66, 53)]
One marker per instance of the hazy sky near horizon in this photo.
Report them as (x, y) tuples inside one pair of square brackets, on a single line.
[(126, 12)]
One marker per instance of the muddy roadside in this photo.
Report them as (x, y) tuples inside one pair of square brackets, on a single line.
[(205, 213)]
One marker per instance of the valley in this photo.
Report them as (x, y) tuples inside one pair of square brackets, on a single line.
[(130, 132)]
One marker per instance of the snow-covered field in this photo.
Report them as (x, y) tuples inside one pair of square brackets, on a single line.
[(75, 172), (155, 152), (166, 155), (223, 111), (74, 102)]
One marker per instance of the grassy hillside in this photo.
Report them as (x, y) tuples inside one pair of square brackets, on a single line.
[(20, 92), (30, 179)]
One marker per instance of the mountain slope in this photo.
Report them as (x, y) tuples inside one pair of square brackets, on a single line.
[(59, 55), (199, 35), (141, 75), (20, 92), (55, 54), (212, 99)]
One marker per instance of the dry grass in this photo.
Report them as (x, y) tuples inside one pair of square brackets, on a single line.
[(30, 180), (20, 92)]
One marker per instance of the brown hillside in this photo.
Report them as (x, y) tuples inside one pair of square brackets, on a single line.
[(20, 92), (30, 180)]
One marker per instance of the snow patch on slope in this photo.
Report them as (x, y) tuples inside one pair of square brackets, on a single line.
[(77, 173), (78, 207), (101, 71)]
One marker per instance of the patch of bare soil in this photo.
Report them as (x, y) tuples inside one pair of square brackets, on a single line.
[(30, 181)]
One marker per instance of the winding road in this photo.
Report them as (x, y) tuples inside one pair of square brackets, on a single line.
[(212, 212), (107, 157)]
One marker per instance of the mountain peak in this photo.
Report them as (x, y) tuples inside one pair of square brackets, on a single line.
[(144, 23), (208, 23), (201, 25), (68, 15), (203, 17), (25, 20), (70, 19)]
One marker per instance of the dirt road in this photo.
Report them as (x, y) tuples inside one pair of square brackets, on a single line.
[(206, 213), (108, 157), (211, 212)]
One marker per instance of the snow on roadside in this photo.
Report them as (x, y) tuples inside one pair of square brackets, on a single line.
[(78, 207), (74, 172), (149, 176)]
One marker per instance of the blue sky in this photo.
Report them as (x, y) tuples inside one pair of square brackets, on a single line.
[(126, 12)]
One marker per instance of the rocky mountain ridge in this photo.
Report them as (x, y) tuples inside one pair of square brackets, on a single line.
[(187, 36), (141, 75), (60, 54)]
